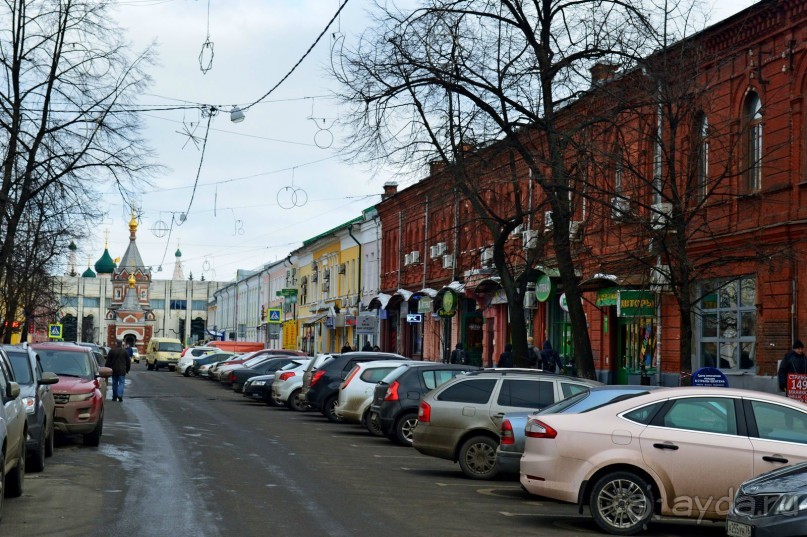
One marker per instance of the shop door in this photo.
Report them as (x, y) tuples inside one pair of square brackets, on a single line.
[(636, 349), (472, 334), (560, 336)]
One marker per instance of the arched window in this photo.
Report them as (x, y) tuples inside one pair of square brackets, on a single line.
[(702, 154), (753, 118)]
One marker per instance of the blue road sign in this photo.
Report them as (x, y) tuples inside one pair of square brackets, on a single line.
[(275, 315)]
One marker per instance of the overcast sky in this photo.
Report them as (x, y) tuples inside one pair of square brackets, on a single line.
[(283, 146)]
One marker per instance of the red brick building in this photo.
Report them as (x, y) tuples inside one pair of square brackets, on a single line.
[(737, 193)]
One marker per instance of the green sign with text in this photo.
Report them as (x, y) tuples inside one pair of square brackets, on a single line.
[(636, 304)]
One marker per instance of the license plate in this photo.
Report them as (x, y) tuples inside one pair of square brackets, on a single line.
[(736, 529)]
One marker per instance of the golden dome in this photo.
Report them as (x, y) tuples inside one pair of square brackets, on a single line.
[(133, 223), (132, 280)]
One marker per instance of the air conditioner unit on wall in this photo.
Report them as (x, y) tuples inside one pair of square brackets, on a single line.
[(407, 260), (486, 255), (434, 252), (342, 268), (620, 208), (660, 214), (448, 261), (530, 239), (548, 221), (415, 256), (442, 248), (518, 230)]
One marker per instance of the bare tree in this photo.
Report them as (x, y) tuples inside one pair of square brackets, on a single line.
[(455, 73), (67, 124)]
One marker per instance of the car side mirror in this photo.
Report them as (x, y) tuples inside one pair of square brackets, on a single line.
[(13, 390), (48, 378), (105, 372)]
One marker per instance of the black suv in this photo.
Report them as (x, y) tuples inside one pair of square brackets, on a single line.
[(323, 393), (395, 402)]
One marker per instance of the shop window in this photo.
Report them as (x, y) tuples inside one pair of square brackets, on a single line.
[(753, 119), (728, 322)]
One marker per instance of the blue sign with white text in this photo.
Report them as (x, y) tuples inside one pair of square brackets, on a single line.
[(710, 376)]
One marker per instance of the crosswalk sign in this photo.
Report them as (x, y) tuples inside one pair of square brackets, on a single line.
[(55, 331), (274, 315)]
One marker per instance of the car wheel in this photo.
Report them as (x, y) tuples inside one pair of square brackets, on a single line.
[(14, 480), (93, 439), (477, 458), (622, 503), (37, 456), (49, 441), (329, 409), (187, 372), (372, 423), (404, 427), (295, 402)]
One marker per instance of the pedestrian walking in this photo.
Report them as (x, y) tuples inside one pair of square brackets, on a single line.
[(346, 348), (367, 347), (533, 357), (118, 361), (506, 358), (458, 355), (376, 348), (550, 359), (794, 362)]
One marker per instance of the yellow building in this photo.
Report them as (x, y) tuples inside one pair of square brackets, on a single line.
[(329, 274)]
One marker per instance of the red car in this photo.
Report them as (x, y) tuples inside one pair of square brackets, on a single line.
[(79, 395)]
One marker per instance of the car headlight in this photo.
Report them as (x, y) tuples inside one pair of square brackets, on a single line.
[(790, 504), (75, 397), (30, 404), (259, 383)]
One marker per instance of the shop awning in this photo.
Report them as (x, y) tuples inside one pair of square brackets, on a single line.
[(379, 301), (428, 291), (315, 319), (403, 293), (604, 281), (488, 285)]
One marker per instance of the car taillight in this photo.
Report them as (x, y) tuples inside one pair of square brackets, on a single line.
[(349, 378), (539, 429), (317, 376), (285, 376), (424, 412), (392, 392), (507, 438), (232, 377)]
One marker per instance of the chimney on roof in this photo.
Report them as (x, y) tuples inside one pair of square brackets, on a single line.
[(602, 72), (390, 189)]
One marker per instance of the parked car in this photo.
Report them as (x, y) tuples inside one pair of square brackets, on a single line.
[(135, 355), (511, 442), (397, 396), (323, 392), (356, 392), (97, 352), (37, 398), (260, 387), (313, 365), (163, 352), (460, 420), (211, 358), (288, 385), (79, 395), (13, 432), (185, 363), (773, 504), (222, 371), (239, 376), (673, 452)]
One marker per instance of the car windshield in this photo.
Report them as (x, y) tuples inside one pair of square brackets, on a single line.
[(255, 361), (69, 364), (21, 365), (169, 347)]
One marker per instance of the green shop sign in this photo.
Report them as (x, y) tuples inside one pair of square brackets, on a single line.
[(607, 297), (544, 288), (448, 304), (636, 304)]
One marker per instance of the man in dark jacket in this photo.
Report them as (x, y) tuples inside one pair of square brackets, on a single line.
[(793, 362), (550, 359), (458, 355), (118, 360), (506, 358)]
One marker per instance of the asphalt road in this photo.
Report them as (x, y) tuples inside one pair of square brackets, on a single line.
[(185, 457)]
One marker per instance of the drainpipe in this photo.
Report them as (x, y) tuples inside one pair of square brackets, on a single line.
[(358, 286), (425, 240)]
